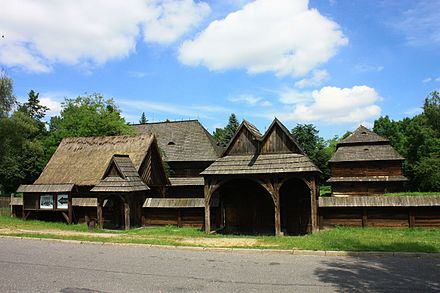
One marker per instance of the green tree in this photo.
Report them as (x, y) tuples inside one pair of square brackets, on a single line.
[(7, 98), (431, 108), (316, 148), (224, 135), (21, 148), (143, 119), (90, 115)]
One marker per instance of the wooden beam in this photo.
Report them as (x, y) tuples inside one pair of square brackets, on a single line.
[(364, 217), (66, 217), (179, 218), (70, 209), (99, 212), (207, 190), (411, 218), (313, 205)]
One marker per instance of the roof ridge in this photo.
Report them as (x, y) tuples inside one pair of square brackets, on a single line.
[(163, 122)]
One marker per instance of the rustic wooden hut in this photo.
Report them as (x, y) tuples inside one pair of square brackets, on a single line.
[(109, 175), (262, 184), (188, 149), (365, 164)]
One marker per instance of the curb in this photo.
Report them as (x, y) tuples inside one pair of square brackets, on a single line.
[(321, 253)]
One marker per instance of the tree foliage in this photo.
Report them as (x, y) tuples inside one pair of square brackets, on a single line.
[(143, 119), (7, 98), (418, 140), (224, 135), (316, 148)]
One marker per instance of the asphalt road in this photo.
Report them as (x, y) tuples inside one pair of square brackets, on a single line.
[(47, 266)]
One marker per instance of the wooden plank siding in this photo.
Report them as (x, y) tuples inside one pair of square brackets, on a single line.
[(245, 142), (277, 142), (188, 217), (371, 168)]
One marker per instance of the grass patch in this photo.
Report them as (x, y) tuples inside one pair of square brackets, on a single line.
[(340, 238), (412, 194)]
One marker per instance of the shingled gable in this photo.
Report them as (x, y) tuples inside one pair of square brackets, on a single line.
[(120, 176), (83, 161), (250, 153), (182, 141), (365, 145)]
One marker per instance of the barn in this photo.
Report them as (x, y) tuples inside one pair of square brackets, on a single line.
[(262, 184), (107, 178)]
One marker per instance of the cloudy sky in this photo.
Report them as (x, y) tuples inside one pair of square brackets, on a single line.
[(332, 63)]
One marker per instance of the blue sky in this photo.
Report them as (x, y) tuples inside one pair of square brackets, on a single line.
[(332, 63)]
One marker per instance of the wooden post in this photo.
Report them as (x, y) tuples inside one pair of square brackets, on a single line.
[(364, 217), (70, 209), (127, 212), (207, 206), (313, 205), (99, 212), (411, 218), (276, 197), (179, 218)]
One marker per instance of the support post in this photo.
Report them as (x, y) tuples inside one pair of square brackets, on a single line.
[(411, 218), (276, 197), (127, 212), (99, 212), (207, 208), (313, 205), (364, 218), (70, 209)]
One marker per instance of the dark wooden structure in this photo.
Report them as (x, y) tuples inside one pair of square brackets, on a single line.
[(263, 184), (103, 177), (365, 164), (188, 149), (380, 211)]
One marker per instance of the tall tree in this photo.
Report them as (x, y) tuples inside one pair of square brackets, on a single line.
[(224, 135), (7, 98), (143, 119), (315, 146), (431, 108)]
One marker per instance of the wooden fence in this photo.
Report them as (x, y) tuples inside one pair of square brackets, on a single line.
[(5, 208), (380, 211)]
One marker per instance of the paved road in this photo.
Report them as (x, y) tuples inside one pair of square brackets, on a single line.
[(46, 266)]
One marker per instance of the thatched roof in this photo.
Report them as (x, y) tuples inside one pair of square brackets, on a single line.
[(187, 181), (82, 161), (261, 164), (362, 136), (45, 188), (174, 203), (354, 153), (121, 176), (183, 140), (368, 179)]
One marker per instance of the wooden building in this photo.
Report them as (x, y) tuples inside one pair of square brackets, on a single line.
[(263, 184), (103, 177), (365, 164), (188, 149)]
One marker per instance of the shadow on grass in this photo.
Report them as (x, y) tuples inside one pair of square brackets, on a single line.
[(382, 273)]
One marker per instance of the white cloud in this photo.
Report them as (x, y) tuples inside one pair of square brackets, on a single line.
[(293, 96), (247, 99), (53, 105), (428, 79), (437, 79), (361, 68), (337, 105), (315, 80), (39, 34), (173, 19), (282, 36)]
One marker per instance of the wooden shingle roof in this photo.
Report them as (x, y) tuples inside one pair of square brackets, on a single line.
[(83, 160), (355, 153), (363, 135), (124, 178), (183, 140), (261, 164)]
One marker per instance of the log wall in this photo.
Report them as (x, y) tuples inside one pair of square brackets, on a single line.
[(184, 217), (360, 169)]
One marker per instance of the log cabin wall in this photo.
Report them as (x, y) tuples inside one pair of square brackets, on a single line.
[(369, 168), (278, 142), (244, 142), (366, 188)]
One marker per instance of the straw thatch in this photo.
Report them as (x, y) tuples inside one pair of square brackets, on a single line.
[(121, 176), (187, 181), (45, 188), (261, 164), (82, 161), (174, 203), (183, 140)]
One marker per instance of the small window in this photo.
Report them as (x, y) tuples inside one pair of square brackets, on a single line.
[(364, 132), (366, 149), (171, 143)]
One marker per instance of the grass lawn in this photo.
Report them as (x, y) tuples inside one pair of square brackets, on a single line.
[(341, 238)]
